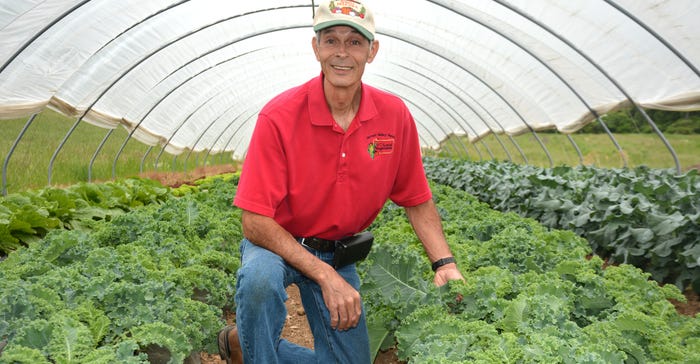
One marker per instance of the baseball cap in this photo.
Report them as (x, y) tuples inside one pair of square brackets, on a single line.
[(345, 12)]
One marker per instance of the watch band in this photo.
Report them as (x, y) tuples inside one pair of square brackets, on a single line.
[(440, 262)]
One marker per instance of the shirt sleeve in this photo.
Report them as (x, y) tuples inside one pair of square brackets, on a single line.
[(411, 187), (263, 181)]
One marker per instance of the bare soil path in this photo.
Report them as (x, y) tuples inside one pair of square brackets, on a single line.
[(296, 330)]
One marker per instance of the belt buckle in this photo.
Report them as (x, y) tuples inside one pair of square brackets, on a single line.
[(303, 243)]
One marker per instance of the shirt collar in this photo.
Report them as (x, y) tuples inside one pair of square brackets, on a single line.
[(320, 113)]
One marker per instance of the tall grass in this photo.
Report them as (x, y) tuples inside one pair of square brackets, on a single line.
[(28, 166), (597, 150)]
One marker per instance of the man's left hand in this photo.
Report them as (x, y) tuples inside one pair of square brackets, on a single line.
[(447, 272)]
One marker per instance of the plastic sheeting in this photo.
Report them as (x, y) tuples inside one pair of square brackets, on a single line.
[(191, 75)]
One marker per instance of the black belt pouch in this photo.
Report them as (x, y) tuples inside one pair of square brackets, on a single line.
[(352, 249)]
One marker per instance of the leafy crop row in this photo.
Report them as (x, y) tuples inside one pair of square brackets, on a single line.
[(531, 296), (150, 282), (27, 216), (646, 217)]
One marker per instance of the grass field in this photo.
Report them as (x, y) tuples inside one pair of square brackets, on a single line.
[(596, 150), (28, 167)]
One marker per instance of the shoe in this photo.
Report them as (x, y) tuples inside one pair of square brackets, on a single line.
[(229, 346)]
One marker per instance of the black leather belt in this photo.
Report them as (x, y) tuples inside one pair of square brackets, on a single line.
[(319, 244)]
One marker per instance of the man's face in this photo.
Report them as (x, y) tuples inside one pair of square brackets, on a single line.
[(343, 53)]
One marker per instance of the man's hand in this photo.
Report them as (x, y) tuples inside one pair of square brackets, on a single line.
[(447, 272), (342, 300)]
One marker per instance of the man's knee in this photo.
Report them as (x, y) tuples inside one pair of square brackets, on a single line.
[(257, 284)]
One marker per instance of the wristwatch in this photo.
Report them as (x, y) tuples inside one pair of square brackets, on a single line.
[(440, 262)]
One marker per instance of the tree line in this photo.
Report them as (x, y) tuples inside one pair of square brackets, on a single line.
[(632, 121)]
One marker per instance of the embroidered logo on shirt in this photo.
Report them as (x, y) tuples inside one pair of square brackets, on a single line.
[(379, 146)]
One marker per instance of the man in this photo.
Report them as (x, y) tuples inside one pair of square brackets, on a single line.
[(323, 160)]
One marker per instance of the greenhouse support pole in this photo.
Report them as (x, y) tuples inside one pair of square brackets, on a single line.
[(488, 149), (421, 109), (520, 150), (678, 54), (661, 136), (182, 123), (70, 132), (655, 35), (548, 67), (207, 26), (177, 87), (97, 151), (230, 139), (213, 144), (578, 151), (41, 32), (501, 97), (433, 97), (603, 72), (62, 144), (173, 166), (437, 141), (143, 159), (201, 135), (12, 150), (206, 155), (454, 94)]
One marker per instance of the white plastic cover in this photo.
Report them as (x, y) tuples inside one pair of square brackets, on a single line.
[(192, 74)]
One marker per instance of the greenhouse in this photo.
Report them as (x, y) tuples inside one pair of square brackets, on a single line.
[(561, 140)]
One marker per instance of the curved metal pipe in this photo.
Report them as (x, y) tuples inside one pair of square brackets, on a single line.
[(547, 66), (251, 111), (97, 151), (201, 135), (656, 35), (77, 122), (138, 63), (424, 111), (12, 150), (155, 105), (450, 82), (162, 47), (143, 159), (60, 147), (602, 71), (475, 76), (501, 97), (481, 106), (41, 32), (230, 43), (182, 123), (451, 92), (578, 151), (466, 152)]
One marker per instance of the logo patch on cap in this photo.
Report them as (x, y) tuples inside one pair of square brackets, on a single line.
[(348, 7), (345, 12)]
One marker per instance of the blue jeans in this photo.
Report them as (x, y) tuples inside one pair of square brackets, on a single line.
[(261, 313)]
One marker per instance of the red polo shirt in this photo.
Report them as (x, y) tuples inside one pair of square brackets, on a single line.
[(315, 179)]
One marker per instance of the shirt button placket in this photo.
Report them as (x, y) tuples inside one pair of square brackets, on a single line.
[(342, 164)]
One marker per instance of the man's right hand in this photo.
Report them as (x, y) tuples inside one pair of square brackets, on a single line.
[(342, 300)]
